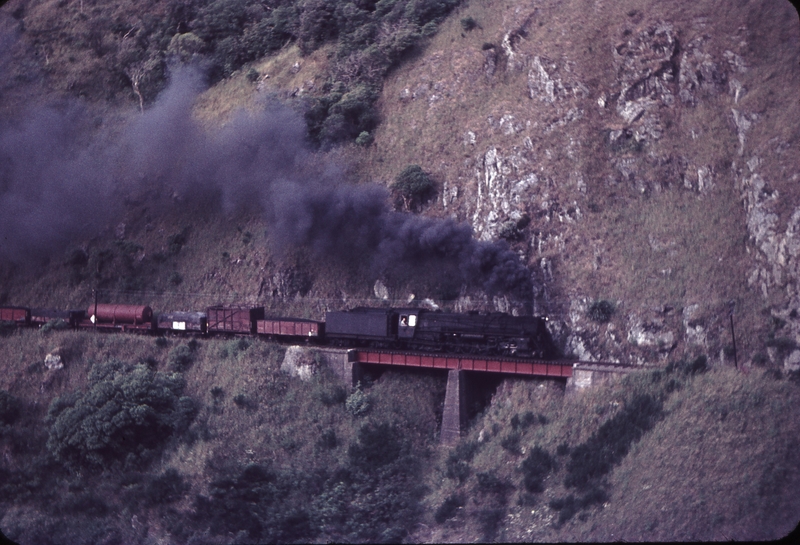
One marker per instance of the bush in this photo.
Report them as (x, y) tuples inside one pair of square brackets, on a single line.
[(166, 488), (489, 483), (377, 445), (10, 408), (570, 505), (175, 278), (54, 325), (457, 463), (511, 443), (243, 401), (489, 519), (690, 368), (328, 440), (255, 505), (176, 242), (233, 348), (449, 508), (468, 23), (526, 420), (364, 139), (358, 403), (414, 186), (180, 358), (333, 395), (601, 311), (535, 468), (127, 412)]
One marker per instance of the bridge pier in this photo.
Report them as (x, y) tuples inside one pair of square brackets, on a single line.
[(454, 417)]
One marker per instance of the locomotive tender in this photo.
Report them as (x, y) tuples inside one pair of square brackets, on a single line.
[(413, 329)]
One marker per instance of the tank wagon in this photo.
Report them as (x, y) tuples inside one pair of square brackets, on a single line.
[(122, 317)]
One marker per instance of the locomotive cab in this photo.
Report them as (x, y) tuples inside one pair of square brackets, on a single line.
[(406, 323)]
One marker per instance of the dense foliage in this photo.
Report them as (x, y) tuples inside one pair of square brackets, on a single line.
[(126, 413), (372, 497), (127, 47)]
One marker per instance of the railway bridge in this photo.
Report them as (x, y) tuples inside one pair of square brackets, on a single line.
[(349, 365)]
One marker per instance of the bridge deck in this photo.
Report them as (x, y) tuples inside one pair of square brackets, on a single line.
[(465, 362)]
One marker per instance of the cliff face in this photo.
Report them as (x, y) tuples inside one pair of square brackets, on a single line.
[(634, 152)]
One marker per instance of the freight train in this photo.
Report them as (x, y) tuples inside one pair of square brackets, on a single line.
[(391, 328)]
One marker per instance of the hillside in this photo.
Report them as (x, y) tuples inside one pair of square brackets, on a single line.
[(628, 169)]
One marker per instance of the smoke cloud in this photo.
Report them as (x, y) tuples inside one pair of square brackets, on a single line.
[(60, 181)]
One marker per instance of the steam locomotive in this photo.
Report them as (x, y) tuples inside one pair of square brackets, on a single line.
[(392, 328)]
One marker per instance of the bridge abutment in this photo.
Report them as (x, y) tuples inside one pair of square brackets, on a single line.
[(343, 363)]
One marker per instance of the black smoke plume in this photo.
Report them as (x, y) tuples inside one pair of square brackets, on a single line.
[(60, 181)]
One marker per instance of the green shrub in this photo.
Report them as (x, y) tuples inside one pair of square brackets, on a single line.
[(333, 395), (489, 519), (176, 242), (449, 507), (601, 311), (489, 483), (358, 403), (364, 139), (697, 366), (175, 278), (457, 463), (166, 488), (511, 443), (414, 186), (255, 504), (328, 440), (244, 401), (535, 468), (54, 325), (180, 358), (10, 408), (570, 505), (468, 23), (526, 420), (127, 412), (377, 445), (233, 348)]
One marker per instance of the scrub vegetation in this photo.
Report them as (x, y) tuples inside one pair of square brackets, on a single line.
[(231, 449)]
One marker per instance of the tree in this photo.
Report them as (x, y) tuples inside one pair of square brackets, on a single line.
[(414, 186), (127, 412)]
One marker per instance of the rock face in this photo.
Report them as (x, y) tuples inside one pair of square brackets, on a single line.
[(53, 361), (649, 158), (299, 362)]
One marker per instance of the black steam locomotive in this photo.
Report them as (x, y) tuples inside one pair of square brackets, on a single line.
[(400, 329)]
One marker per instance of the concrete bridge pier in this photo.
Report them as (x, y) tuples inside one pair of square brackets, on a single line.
[(454, 417)]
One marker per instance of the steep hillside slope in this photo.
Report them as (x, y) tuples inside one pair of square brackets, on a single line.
[(639, 152)]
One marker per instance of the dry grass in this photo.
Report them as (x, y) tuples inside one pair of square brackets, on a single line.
[(718, 465)]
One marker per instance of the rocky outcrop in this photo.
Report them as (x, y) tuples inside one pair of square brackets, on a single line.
[(627, 161)]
